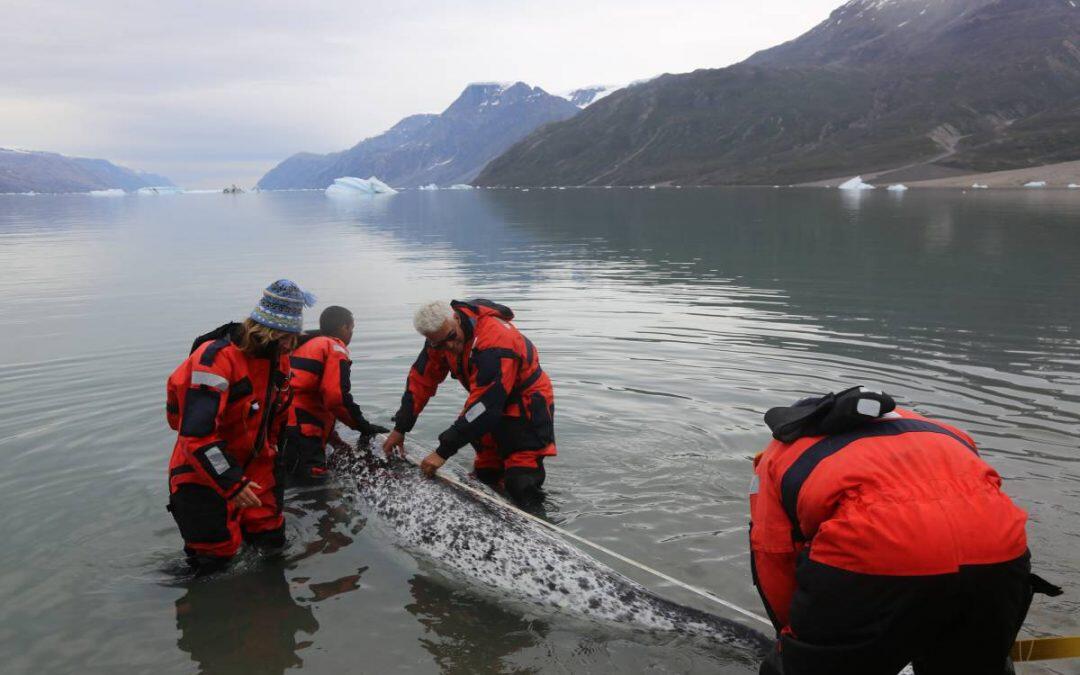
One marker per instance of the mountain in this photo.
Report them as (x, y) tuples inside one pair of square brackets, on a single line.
[(922, 88), (448, 148), (32, 171)]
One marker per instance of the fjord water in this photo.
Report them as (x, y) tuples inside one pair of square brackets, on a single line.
[(669, 321)]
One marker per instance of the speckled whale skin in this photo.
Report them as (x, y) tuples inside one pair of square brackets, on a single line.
[(499, 549)]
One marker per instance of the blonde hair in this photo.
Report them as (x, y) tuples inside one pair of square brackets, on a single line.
[(429, 319), (254, 338)]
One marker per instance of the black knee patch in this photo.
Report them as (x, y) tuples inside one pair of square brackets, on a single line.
[(200, 513), (523, 485)]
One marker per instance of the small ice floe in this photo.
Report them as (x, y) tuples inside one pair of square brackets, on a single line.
[(461, 186), (1035, 184), (1074, 186), (979, 186), (429, 186), (899, 187), (856, 183), (652, 187), (349, 186), (524, 189), (159, 190), (114, 192)]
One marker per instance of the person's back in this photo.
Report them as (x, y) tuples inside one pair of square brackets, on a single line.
[(880, 537), (322, 394), (905, 496)]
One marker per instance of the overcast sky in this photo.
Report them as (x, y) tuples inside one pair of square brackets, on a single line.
[(214, 93)]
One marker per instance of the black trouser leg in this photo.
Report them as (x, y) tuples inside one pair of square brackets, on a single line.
[(845, 623), (523, 485), (302, 458), (995, 601)]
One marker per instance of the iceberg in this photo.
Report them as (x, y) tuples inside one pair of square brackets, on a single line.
[(349, 186), (1073, 186), (461, 186), (159, 190), (1035, 184), (899, 187), (979, 186), (429, 186), (856, 183), (114, 192)]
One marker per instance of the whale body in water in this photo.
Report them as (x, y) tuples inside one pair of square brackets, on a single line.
[(499, 548)]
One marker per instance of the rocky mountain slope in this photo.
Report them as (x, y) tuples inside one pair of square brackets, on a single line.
[(930, 86), (32, 171), (448, 148)]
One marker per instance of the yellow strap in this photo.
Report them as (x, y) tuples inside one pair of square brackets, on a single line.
[(1043, 649)]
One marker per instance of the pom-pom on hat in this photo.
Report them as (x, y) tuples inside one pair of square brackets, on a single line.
[(282, 307)]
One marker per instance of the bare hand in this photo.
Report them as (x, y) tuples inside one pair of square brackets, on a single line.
[(431, 464), (246, 498), (394, 441)]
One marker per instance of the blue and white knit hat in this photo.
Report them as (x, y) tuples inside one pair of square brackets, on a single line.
[(282, 307)]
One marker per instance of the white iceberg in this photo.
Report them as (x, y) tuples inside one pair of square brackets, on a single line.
[(349, 186), (856, 183), (979, 186), (1073, 186), (429, 186), (114, 192), (159, 190), (1036, 184), (899, 187), (461, 186)]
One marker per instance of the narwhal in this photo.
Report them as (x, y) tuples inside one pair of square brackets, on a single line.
[(497, 547)]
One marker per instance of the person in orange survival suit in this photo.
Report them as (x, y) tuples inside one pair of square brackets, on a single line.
[(228, 400), (880, 538), (509, 414), (322, 392)]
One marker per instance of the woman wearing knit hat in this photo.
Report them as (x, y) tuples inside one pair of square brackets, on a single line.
[(227, 402)]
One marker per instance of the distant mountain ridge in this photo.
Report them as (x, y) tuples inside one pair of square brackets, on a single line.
[(36, 171), (447, 148), (931, 87)]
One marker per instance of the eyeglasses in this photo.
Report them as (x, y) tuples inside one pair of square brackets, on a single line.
[(445, 342)]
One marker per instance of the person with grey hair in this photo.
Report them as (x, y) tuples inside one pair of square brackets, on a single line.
[(509, 414)]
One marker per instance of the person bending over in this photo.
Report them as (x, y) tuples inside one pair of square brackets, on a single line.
[(880, 538), (322, 393), (508, 416)]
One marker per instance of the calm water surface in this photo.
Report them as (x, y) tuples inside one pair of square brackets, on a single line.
[(669, 321)]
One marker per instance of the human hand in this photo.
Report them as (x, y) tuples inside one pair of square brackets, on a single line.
[(394, 441), (431, 464), (246, 498)]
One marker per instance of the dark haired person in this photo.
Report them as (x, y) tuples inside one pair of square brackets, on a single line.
[(322, 393), (881, 538), (227, 401), (509, 414)]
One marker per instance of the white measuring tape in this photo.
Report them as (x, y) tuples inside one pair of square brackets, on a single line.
[(708, 595)]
